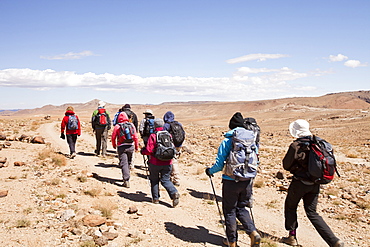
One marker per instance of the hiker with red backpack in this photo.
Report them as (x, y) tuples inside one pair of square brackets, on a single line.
[(71, 124), (161, 151), (101, 123), (125, 139), (178, 135), (237, 157), (298, 160)]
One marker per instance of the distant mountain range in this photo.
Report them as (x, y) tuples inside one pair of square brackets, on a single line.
[(343, 100)]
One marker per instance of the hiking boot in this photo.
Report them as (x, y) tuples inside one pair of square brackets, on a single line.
[(291, 240), (155, 201), (230, 244), (126, 184), (73, 155), (175, 199), (339, 243), (176, 184), (255, 239)]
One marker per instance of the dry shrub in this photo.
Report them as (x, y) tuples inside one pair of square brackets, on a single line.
[(22, 223), (106, 207), (94, 192), (55, 158), (259, 183)]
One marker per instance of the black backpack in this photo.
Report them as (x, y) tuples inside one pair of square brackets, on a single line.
[(177, 132), (165, 149), (321, 161), (149, 126)]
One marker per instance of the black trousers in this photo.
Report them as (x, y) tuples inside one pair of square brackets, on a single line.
[(310, 194), (235, 198)]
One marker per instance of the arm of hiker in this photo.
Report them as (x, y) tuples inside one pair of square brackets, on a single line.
[(288, 159), (114, 136), (79, 127), (136, 139), (222, 154)]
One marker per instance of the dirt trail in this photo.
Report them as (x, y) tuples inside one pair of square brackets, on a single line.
[(195, 222)]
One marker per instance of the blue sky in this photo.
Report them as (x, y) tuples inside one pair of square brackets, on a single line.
[(150, 51)]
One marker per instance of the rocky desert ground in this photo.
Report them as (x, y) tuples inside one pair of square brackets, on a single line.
[(49, 200)]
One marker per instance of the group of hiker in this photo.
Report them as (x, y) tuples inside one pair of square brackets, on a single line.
[(162, 138), (237, 157)]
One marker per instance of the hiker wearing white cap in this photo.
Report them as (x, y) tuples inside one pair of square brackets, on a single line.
[(302, 187), (146, 126), (100, 122)]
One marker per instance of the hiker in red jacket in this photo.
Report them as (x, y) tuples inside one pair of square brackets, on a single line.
[(126, 144), (159, 170), (71, 124)]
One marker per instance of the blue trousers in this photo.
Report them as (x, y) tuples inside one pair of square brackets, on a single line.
[(234, 200), (310, 194), (161, 174)]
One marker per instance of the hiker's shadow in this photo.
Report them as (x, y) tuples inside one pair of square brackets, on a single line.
[(204, 195), (107, 180), (193, 235), (86, 154), (106, 165), (136, 197)]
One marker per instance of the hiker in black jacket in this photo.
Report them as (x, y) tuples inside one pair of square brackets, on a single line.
[(301, 187)]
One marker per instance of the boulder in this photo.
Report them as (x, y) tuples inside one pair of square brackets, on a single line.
[(3, 193), (93, 220), (38, 140)]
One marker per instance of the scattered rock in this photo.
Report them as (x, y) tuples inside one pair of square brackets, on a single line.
[(66, 215), (93, 220), (19, 163), (2, 136), (110, 235), (38, 140), (280, 175), (3, 193), (132, 210), (101, 241)]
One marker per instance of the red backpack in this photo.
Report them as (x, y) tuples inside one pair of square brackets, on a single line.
[(101, 117)]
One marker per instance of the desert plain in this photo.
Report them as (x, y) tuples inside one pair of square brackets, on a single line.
[(48, 199)]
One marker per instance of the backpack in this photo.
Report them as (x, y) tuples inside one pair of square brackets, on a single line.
[(321, 161), (251, 124), (72, 122), (177, 132), (149, 127), (129, 114), (101, 118), (242, 162), (165, 149), (126, 132)]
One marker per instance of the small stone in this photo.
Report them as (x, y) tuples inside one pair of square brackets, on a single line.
[(84, 238), (110, 235), (19, 163), (3, 193), (132, 210), (101, 241), (148, 231), (66, 215)]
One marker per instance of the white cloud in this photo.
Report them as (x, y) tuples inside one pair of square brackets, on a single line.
[(337, 58), (258, 56), (354, 64), (265, 83), (69, 56)]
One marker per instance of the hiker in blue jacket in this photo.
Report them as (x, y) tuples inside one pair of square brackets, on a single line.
[(234, 193)]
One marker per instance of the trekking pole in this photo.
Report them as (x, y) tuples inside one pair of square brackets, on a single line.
[(219, 210), (146, 168)]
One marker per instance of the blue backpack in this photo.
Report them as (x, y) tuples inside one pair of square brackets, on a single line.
[(242, 162), (72, 122), (149, 127)]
